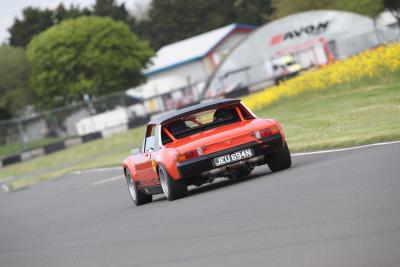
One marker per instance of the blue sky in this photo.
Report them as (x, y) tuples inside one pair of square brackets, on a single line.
[(9, 9)]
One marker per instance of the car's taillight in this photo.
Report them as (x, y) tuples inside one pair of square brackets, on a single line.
[(190, 154), (266, 132), (275, 130)]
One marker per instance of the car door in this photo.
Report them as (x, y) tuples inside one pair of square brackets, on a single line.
[(146, 168)]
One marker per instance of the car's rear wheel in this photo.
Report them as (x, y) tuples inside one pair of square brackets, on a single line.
[(172, 189), (137, 195), (279, 160)]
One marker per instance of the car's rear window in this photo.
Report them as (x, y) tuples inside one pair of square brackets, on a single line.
[(201, 121)]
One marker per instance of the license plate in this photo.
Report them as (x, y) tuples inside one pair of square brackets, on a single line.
[(236, 156)]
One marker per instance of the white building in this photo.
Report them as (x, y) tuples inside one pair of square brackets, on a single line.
[(179, 70)]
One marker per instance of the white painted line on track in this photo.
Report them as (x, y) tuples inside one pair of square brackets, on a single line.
[(108, 180), (5, 188), (344, 149)]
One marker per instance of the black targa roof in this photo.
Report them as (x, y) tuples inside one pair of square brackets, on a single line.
[(170, 116)]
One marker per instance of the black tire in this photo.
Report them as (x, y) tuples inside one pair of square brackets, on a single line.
[(279, 160), (138, 197), (172, 189)]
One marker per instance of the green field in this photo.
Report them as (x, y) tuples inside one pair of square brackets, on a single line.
[(336, 117)]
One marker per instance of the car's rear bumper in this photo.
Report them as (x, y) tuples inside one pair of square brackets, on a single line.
[(203, 164)]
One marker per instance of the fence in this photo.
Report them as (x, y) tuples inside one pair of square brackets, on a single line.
[(41, 129)]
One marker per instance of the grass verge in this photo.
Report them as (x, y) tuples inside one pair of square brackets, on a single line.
[(339, 117), (99, 153), (332, 118)]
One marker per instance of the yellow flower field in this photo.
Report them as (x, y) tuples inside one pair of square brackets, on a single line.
[(369, 64)]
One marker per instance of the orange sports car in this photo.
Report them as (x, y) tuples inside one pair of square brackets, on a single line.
[(196, 144)]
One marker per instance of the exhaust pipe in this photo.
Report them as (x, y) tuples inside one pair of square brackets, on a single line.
[(227, 168)]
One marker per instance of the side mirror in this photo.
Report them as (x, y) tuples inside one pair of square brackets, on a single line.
[(136, 151)]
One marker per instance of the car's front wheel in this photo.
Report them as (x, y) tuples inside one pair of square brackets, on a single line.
[(279, 160), (172, 189), (137, 195)]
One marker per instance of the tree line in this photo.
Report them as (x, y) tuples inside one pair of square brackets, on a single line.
[(55, 56)]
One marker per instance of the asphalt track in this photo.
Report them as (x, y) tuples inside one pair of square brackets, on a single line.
[(332, 209)]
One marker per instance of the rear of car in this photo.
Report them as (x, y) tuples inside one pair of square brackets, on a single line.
[(222, 141)]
